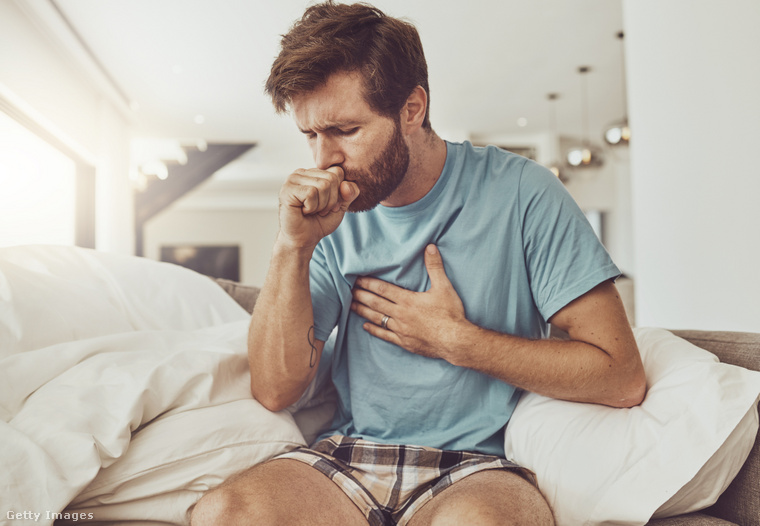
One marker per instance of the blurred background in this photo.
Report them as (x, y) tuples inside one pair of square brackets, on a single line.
[(141, 127)]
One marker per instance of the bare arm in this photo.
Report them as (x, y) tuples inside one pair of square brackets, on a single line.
[(600, 364), (283, 352)]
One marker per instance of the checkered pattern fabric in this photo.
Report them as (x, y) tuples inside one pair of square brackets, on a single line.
[(389, 483)]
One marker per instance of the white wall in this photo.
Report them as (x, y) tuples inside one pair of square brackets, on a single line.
[(114, 210), (42, 77), (694, 97), (32, 67)]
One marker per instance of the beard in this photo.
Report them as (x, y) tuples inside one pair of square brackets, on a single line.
[(383, 176)]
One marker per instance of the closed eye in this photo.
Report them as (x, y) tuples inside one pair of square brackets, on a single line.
[(311, 135)]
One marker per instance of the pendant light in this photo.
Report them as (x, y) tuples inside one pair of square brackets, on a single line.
[(555, 166), (618, 133), (586, 155)]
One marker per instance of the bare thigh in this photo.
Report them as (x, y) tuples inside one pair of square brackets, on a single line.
[(278, 492), (486, 498)]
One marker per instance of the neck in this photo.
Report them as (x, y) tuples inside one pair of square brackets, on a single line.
[(427, 156)]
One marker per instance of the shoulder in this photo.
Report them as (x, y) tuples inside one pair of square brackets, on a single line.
[(488, 157), (486, 166), (502, 170)]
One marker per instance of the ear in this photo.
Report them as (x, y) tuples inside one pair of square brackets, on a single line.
[(413, 112)]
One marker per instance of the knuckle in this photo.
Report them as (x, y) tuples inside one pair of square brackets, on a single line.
[(334, 177), (287, 191), (296, 175), (322, 185), (310, 192)]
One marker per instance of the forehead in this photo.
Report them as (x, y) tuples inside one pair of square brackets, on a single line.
[(339, 101)]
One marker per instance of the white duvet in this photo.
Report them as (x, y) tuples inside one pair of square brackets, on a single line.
[(124, 389)]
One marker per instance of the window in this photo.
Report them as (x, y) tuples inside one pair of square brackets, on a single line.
[(38, 187)]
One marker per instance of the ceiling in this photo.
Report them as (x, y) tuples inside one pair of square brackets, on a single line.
[(196, 68)]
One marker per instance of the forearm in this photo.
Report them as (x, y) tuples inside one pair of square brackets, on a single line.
[(282, 351), (564, 369), (600, 364)]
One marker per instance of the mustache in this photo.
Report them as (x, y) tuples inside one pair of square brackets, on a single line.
[(355, 175)]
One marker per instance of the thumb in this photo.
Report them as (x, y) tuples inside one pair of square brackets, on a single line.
[(434, 265), (349, 191), (337, 170)]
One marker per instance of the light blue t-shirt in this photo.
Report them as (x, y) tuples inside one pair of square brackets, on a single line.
[(516, 248)]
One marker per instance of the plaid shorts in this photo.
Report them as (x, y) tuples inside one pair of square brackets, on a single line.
[(389, 483)]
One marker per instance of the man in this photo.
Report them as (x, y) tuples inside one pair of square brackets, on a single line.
[(441, 283)]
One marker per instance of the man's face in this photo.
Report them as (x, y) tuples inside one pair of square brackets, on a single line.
[(343, 130)]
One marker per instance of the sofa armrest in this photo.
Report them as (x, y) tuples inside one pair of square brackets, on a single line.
[(740, 503), (736, 348)]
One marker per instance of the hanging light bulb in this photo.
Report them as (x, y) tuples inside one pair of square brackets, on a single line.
[(619, 133), (585, 155), (555, 166)]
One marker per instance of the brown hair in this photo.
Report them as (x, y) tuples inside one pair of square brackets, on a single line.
[(358, 37)]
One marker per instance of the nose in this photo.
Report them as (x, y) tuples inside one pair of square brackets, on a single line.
[(327, 152)]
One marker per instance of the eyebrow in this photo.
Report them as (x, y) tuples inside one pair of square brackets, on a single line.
[(332, 127)]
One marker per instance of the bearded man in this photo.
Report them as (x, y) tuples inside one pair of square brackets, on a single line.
[(442, 282)]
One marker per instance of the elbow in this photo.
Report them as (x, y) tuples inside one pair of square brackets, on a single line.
[(269, 399), (632, 393), (271, 404)]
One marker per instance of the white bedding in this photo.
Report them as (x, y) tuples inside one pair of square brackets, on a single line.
[(124, 396), (124, 388)]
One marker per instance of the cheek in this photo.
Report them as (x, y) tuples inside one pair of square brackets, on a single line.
[(312, 143), (364, 152)]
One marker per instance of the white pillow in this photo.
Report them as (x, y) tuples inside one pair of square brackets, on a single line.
[(176, 458), (673, 454), (55, 294)]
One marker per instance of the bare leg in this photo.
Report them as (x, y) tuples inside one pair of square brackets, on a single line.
[(486, 498), (275, 493)]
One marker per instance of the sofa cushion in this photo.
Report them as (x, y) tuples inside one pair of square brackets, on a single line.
[(740, 503), (245, 295), (691, 519), (736, 348)]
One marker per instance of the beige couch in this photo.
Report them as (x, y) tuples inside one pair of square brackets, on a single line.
[(740, 504)]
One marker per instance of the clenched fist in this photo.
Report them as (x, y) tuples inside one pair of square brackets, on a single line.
[(312, 205)]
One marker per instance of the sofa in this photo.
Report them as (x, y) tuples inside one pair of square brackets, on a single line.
[(740, 503)]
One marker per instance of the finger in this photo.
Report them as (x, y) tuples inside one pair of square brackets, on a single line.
[(334, 198), (337, 170), (380, 288), (328, 183), (371, 315), (434, 266), (377, 304), (349, 191), (383, 334), (317, 190), (304, 197)]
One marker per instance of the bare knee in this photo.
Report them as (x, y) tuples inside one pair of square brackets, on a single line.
[(215, 507), (478, 513), (276, 493), (210, 509), (227, 505), (488, 498)]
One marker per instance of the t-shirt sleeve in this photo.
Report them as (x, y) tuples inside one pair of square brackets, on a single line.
[(564, 257), (325, 300)]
